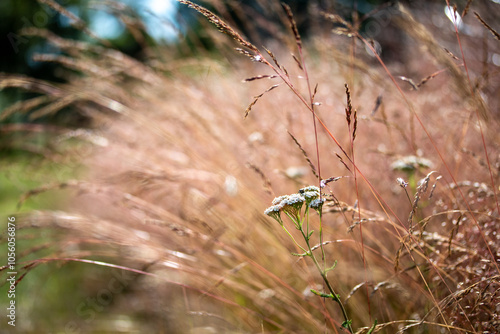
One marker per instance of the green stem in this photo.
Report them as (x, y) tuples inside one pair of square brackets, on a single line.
[(293, 239), (328, 285), (321, 241)]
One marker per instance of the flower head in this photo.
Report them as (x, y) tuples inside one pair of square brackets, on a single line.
[(279, 199), (309, 189), (292, 205), (411, 163), (317, 204), (310, 193), (275, 212)]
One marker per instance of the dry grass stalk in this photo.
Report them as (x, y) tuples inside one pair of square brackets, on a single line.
[(267, 183), (420, 33), (466, 8), (25, 106), (355, 124), (351, 114), (348, 109), (422, 188), (297, 61), (410, 81), (491, 30), (275, 60), (451, 54), (293, 24), (75, 21), (304, 153), (258, 77), (221, 25), (256, 98), (314, 95), (343, 162)]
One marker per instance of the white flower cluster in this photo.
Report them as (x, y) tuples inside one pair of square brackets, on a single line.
[(310, 189), (411, 163), (279, 199), (317, 203), (292, 204), (312, 196), (293, 200), (273, 209), (275, 212)]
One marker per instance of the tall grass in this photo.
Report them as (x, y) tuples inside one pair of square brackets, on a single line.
[(184, 158)]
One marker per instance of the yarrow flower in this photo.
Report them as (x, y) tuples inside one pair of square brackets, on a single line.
[(292, 205), (310, 193), (275, 212), (317, 205), (411, 163), (295, 200), (309, 189), (310, 196), (279, 199)]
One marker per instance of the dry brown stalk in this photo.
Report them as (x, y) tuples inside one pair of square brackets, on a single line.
[(74, 20), (256, 98), (348, 109), (466, 8), (304, 153), (493, 32), (297, 61), (342, 161), (258, 77), (418, 31), (221, 25), (451, 54), (293, 24), (275, 60), (267, 183)]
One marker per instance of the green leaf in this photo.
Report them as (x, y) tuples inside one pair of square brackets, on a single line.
[(326, 295), (321, 294), (332, 267), (300, 255), (310, 233)]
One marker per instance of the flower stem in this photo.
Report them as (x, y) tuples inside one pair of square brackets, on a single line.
[(293, 239), (328, 285)]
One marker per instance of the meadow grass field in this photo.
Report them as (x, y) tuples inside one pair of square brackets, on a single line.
[(340, 180)]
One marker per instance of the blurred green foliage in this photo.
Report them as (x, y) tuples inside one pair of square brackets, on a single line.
[(17, 49)]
